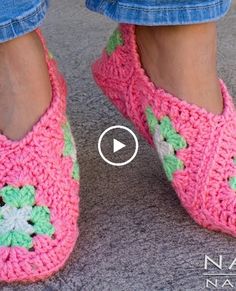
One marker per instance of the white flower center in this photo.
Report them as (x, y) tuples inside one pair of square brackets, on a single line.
[(163, 148), (15, 219)]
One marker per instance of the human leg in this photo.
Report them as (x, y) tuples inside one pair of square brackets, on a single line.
[(195, 144), (39, 177), (182, 60)]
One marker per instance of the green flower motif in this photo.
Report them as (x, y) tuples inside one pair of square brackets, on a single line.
[(20, 218), (70, 150), (114, 41), (167, 142)]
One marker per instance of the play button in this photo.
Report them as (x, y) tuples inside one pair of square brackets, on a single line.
[(118, 145)]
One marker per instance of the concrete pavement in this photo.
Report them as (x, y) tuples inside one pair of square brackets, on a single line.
[(134, 235)]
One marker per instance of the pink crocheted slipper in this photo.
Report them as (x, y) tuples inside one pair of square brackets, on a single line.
[(39, 184), (197, 148)]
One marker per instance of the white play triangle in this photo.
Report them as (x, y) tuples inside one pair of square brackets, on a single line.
[(117, 145)]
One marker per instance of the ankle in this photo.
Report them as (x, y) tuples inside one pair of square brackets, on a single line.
[(182, 60), (25, 91)]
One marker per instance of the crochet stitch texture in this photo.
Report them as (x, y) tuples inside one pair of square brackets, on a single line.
[(20, 218), (39, 186), (197, 148), (167, 142)]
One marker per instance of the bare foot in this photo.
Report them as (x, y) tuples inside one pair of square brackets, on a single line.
[(25, 89), (182, 60)]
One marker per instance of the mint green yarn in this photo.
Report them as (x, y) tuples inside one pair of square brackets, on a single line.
[(176, 141), (171, 164), (171, 136), (68, 139), (232, 180), (17, 197), (114, 41), (21, 239), (6, 239), (166, 127), (41, 219), (44, 227), (40, 213), (166, 135), (76, 171), (232, 183), (20, 218), (152, 120), (10, 196), (16, 239), (70, 150)]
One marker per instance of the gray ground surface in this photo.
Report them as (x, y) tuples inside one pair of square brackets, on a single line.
[(134, 235)]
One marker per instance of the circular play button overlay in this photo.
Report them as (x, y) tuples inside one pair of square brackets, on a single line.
[(118, 145)]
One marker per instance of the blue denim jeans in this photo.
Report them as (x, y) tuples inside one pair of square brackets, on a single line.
[(161, 12), (18, 17)]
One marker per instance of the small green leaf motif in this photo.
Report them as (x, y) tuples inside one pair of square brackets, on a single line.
[(114, 41), (70, 149), (6, 239), (166, 127), (10, 196), (16, 239), (40, 213), (176, 140), (44, 227), (20, 218), (21, 239), (18, 197), (76, 171), (171, 164), (41, 218), (152, 120), (167, 141)]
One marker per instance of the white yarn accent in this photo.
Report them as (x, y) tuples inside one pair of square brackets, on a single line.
[(163, 148), (15, 219)]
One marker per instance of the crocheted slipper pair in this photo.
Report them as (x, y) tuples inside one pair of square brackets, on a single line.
[(197, 148), (39, 184)]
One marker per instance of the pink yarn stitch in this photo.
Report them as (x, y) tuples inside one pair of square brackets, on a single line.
[(203, 185), (37, 160)]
